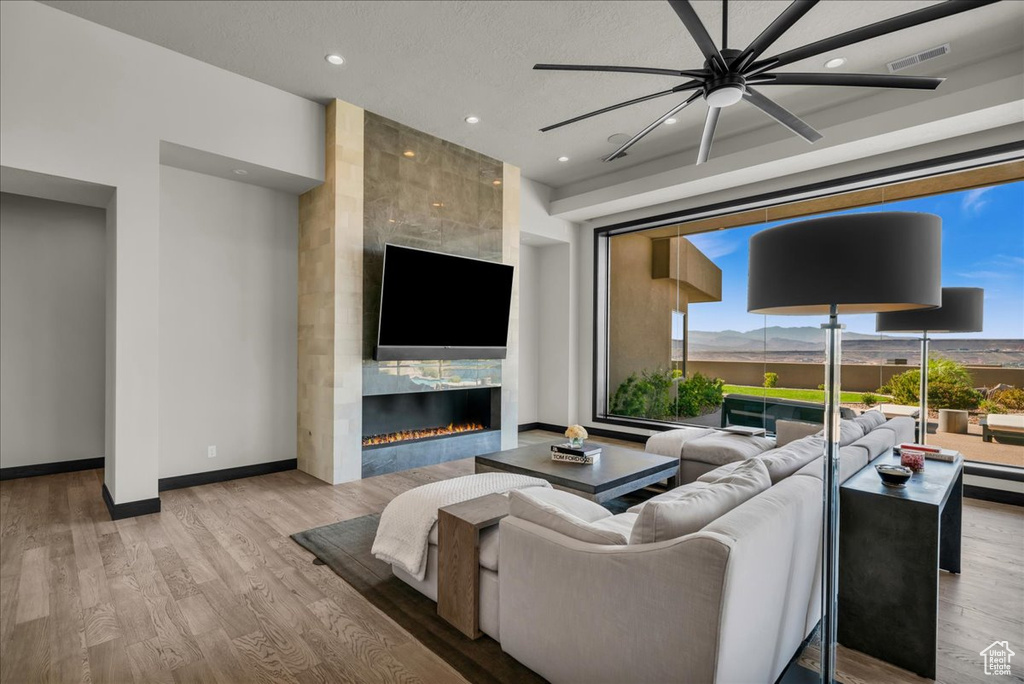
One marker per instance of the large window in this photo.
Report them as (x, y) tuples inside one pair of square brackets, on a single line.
[(676, 344)]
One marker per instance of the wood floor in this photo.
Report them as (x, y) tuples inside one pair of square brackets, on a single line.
[(212, 589)]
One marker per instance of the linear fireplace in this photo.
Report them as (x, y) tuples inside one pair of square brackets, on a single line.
[(402, 431)]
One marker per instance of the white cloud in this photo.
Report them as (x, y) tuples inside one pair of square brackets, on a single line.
[(714, 245), (983, 275), (974, 201)]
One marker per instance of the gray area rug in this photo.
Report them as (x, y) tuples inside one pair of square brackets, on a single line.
[(345, 548)]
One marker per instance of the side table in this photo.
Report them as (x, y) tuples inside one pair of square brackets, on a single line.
[(892, 544), (458, 558)]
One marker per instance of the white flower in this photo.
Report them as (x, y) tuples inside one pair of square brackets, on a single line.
[(576, 432)]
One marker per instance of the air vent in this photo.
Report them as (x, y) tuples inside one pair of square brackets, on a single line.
[(907, 62)]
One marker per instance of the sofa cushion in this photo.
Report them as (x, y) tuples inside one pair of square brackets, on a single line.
[(563, 512), (876, 442), (869, 420), (662, 520), (849, 432), (851, 459), (782, 463), (670, 495), (902, 427), (787, 431), (670, 443), (621, 523), (722, 471), (722, 447)]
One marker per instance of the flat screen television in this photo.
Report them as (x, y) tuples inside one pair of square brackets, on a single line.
[(439, 306)]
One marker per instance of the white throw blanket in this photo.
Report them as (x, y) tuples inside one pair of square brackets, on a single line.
[(405, 524)]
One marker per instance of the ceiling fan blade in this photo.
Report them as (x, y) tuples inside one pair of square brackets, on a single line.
[(689, 85), (857, 80), (709, 134), (654, 124), (695, 26), (782, 23), (880, 28), (782, 115), (690, 73)]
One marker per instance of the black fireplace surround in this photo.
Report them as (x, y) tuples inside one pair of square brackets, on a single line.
[(388, 414)]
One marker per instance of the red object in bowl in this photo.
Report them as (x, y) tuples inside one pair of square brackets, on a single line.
[(912, 459)]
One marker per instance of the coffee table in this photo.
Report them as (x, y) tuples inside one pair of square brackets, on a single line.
[(618, 471)]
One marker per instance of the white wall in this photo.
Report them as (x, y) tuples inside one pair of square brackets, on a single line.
[(555, 284), (529, 332), (52, 264), (228, 321), (81, 101)]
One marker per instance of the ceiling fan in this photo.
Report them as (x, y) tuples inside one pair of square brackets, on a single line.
[(729, 75)]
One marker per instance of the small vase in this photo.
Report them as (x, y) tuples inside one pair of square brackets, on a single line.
[(576, 442)]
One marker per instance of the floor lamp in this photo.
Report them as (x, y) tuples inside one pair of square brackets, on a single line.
[(849, 264), (961, 312)]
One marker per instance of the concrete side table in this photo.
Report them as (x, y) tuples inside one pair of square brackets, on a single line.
[(953, 420)]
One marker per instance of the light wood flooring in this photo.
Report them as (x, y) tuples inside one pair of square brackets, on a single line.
[(212, 589)]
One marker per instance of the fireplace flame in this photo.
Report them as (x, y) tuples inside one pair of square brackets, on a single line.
[(406, 435)]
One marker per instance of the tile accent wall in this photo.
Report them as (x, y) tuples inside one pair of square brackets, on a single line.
[(330, 302), (388, 183)]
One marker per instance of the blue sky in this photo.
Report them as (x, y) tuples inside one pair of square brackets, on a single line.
[(982, 246)]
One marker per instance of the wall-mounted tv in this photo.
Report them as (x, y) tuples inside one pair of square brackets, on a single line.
[(439, 306)]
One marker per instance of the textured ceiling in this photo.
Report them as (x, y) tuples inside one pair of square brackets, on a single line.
[(430, 64)]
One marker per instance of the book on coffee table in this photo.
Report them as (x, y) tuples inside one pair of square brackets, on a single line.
[(570, 454), (930, 452)]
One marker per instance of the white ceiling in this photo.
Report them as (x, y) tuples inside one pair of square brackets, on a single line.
[(430, 64)]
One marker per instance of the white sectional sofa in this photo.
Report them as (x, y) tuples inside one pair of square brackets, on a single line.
[(729, 602)]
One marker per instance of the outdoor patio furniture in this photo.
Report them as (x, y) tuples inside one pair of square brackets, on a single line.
[(897, 410), (953, 420), (753, 411), (1005, 428)]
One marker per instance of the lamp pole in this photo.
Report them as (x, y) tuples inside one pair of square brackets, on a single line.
[(830, 531), (922, 420)]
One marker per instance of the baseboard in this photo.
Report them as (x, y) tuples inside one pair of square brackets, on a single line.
[(130, 509), (212, 476), (994, 495), (615, 434), (17, 472), (592, 431)]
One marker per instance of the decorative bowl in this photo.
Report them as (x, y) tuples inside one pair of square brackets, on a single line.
[(894, 475)]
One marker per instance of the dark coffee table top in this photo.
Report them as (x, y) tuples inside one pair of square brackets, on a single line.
[(930, 486), (617, 466)]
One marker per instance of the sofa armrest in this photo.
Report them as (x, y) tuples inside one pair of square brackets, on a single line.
[(625, 613)]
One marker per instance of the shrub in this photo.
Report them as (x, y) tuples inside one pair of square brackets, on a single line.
[(1012, 398), (644, 396), (821, 387), (951, 396), (869, 399), (698, 394), (949, 386), (649, 395), (989, 406), (771, 379)]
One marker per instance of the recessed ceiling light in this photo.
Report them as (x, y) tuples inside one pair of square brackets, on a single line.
[(472, 119), (669, 122), (496, 182), (563, 159), (241, 172), (409, 153), (336, 60), (437, 204), (835, 62)]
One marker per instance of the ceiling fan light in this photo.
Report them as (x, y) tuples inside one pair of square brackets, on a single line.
[(725, 96)]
